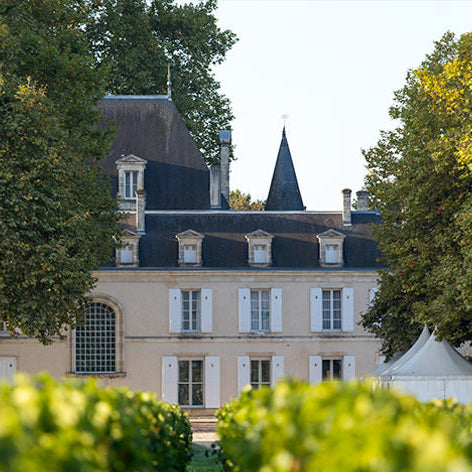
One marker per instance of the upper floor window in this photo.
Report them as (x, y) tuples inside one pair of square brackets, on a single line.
[(259, 248), (191, 310), (190, 248), (130, 179), (332, 310), (131, 184), (331, 248), (260, 310), (95, 341), (128, 255)]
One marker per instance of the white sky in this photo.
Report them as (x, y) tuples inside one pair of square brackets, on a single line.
[(332, 66)]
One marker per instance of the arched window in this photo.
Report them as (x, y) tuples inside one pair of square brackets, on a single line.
[(95, 341)]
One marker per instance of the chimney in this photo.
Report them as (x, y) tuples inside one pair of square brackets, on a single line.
[(225, 143), (140, 207), (362, 200), (346, 207), (215, 186)]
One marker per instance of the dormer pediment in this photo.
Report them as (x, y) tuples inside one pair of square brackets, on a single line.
[(331, 234), (259, 234), (189, 234), (132, 159), (128, 234)]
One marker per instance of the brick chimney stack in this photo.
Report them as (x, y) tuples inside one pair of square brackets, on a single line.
[(362, 200), (347, 206), (225, 143)]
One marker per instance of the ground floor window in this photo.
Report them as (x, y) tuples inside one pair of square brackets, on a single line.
[(95, 341), (260, 373), (332, 369), (191, 382)]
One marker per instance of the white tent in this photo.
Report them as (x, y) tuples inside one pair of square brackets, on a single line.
[(435, 370)]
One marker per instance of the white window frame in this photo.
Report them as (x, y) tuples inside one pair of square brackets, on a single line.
[(259, 253), (130, 184), (263, 324), (194, 311), (331, 362), (259, 382), (194, 254), (260, 239), (127, 192), (331, 311), (331, 254), (191, 384), (100, 365)]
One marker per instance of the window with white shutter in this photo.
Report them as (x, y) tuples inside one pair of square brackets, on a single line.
[(244, 372), (169, 379), (244, 302), (349, 367), (212, 382), (190, 254), (277, 368), (126, 255), (315, 370), (348, 309)]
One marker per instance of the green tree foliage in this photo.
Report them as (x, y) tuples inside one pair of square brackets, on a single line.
[(58, 221), (347, 427), (135, 41), (420, 179), (77, 426), (242, 202)]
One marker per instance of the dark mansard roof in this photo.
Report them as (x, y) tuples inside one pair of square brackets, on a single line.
[(224, 245), (284, 193), (150, 127)]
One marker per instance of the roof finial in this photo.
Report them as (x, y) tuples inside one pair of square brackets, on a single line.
[(285, 118), (169, 83)]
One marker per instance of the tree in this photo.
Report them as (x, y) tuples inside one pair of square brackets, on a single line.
[(242, 202), (420, 179), (135, 41), (58, 218)]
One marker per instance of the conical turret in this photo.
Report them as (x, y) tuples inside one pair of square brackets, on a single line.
[(284, 194)]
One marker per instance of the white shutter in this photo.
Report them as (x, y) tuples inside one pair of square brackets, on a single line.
[(348, 309), (276, 310), (316, 309), (244, 310), (206, 310), (331, 254), (212, 382), (190, 254), (260, 254), (316, 375), (349, 367), (277, 368), (372, 293), (7, 368), (244, 372), (170, 371), (175, 310)]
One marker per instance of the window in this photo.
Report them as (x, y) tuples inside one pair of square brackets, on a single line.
[(130, 179), (190, 310), (260, 310), (190, 248), (259, 248), (331, 369), (131, 184), (331, 254), (95, 342), (126, 255), (332, 310), (190, 388), (260, 373), (190, 254), (260, 254)]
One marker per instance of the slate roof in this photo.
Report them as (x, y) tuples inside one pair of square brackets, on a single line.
[(224, 245), (284, 193), (150, 127)]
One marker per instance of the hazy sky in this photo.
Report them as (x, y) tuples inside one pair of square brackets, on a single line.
[(332, 66)]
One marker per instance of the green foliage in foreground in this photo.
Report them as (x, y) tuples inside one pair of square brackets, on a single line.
[(75, 426), (345, 427)]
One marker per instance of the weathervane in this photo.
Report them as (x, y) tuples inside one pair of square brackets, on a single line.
[(285, 118)]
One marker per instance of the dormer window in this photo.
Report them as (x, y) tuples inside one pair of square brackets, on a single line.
[(130, 179), (190, 248), (131, 184), (128, 255), (331, 248), (259, 248)]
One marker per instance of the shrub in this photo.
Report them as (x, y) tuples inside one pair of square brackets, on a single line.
[(76, 426), (345, 427)]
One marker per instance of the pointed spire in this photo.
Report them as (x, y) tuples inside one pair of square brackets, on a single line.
[(284, 193)]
